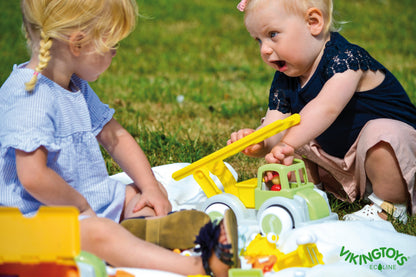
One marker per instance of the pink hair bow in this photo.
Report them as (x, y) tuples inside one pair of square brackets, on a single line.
[(242, 5)]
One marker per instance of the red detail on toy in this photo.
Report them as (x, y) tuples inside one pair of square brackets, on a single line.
[(276, 187), (276, 182), (265, 263)]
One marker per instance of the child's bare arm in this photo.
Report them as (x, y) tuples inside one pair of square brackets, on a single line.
[(319, 113), (272, 116), (131, 158), (45, 184)]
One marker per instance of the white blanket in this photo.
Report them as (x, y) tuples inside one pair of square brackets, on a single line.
[(359, 248), (363, 248)]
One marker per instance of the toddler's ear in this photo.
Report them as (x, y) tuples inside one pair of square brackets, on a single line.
[(315, 21), (75, 42)]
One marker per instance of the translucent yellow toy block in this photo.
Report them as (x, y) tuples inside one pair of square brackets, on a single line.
[(46, 243), (214, 164), (49, 236)]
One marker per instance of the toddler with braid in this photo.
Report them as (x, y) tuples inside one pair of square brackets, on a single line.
[(52, 125)]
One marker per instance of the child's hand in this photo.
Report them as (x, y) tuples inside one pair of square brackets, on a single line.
[(282, 153), (254, 150), (88, 212), (155, 198)]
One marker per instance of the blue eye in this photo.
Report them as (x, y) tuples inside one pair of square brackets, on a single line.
[(258, 40), (273, 34)]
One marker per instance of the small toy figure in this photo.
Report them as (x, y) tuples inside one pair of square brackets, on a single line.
[(276, 186), (262, 253)]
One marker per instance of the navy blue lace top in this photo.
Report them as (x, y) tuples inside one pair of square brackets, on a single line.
[(388, 100)]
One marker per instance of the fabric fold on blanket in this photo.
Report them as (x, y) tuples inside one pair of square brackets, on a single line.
[(183, 194)]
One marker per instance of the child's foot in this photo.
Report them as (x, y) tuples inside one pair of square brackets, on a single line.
[(176, 230), (218, 244), (379, 210)]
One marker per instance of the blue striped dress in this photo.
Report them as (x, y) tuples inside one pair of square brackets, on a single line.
[(66, 124)]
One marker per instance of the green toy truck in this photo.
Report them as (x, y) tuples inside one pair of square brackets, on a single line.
[(296, 201), (294, 204)]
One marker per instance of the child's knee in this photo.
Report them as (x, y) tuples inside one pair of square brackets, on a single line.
[(384, 136), (94, 231), (381, 151)]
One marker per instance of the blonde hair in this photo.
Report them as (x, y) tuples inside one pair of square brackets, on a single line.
[(301, 6), (103, 22)]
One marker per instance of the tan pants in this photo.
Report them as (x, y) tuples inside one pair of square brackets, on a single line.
[(346, 178)]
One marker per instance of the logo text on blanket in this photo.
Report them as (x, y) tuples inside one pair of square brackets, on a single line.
[(373, 258)]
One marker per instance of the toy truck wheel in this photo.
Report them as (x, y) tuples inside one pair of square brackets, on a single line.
[(276, 219), (216, 205), (216, 211)]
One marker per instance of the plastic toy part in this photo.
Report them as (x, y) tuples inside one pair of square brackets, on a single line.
[(276, 219), (260, 246), (262, 253), (276, 187), (237, 272), (97, 265), (216, 211), (288, 201), (272, 238), (264, 263), (292, 203), (52, 235), (306, 255), (47, 245), (214, 162)]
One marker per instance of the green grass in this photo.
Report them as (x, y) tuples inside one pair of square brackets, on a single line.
[(200, 50)]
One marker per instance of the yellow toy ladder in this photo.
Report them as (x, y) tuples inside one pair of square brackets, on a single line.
[(214, 162)]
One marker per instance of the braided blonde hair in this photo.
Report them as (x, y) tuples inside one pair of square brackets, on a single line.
[(44, 57), (103, 22)]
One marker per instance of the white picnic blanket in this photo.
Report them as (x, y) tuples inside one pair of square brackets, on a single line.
[(354, 248)]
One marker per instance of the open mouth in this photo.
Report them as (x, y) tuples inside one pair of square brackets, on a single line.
[(281, 65)]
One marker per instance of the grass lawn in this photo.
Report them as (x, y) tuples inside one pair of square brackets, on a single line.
[(199, 52)]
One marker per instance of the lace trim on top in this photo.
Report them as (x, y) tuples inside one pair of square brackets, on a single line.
[(339, 56), (275, 103), (352, 57)]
